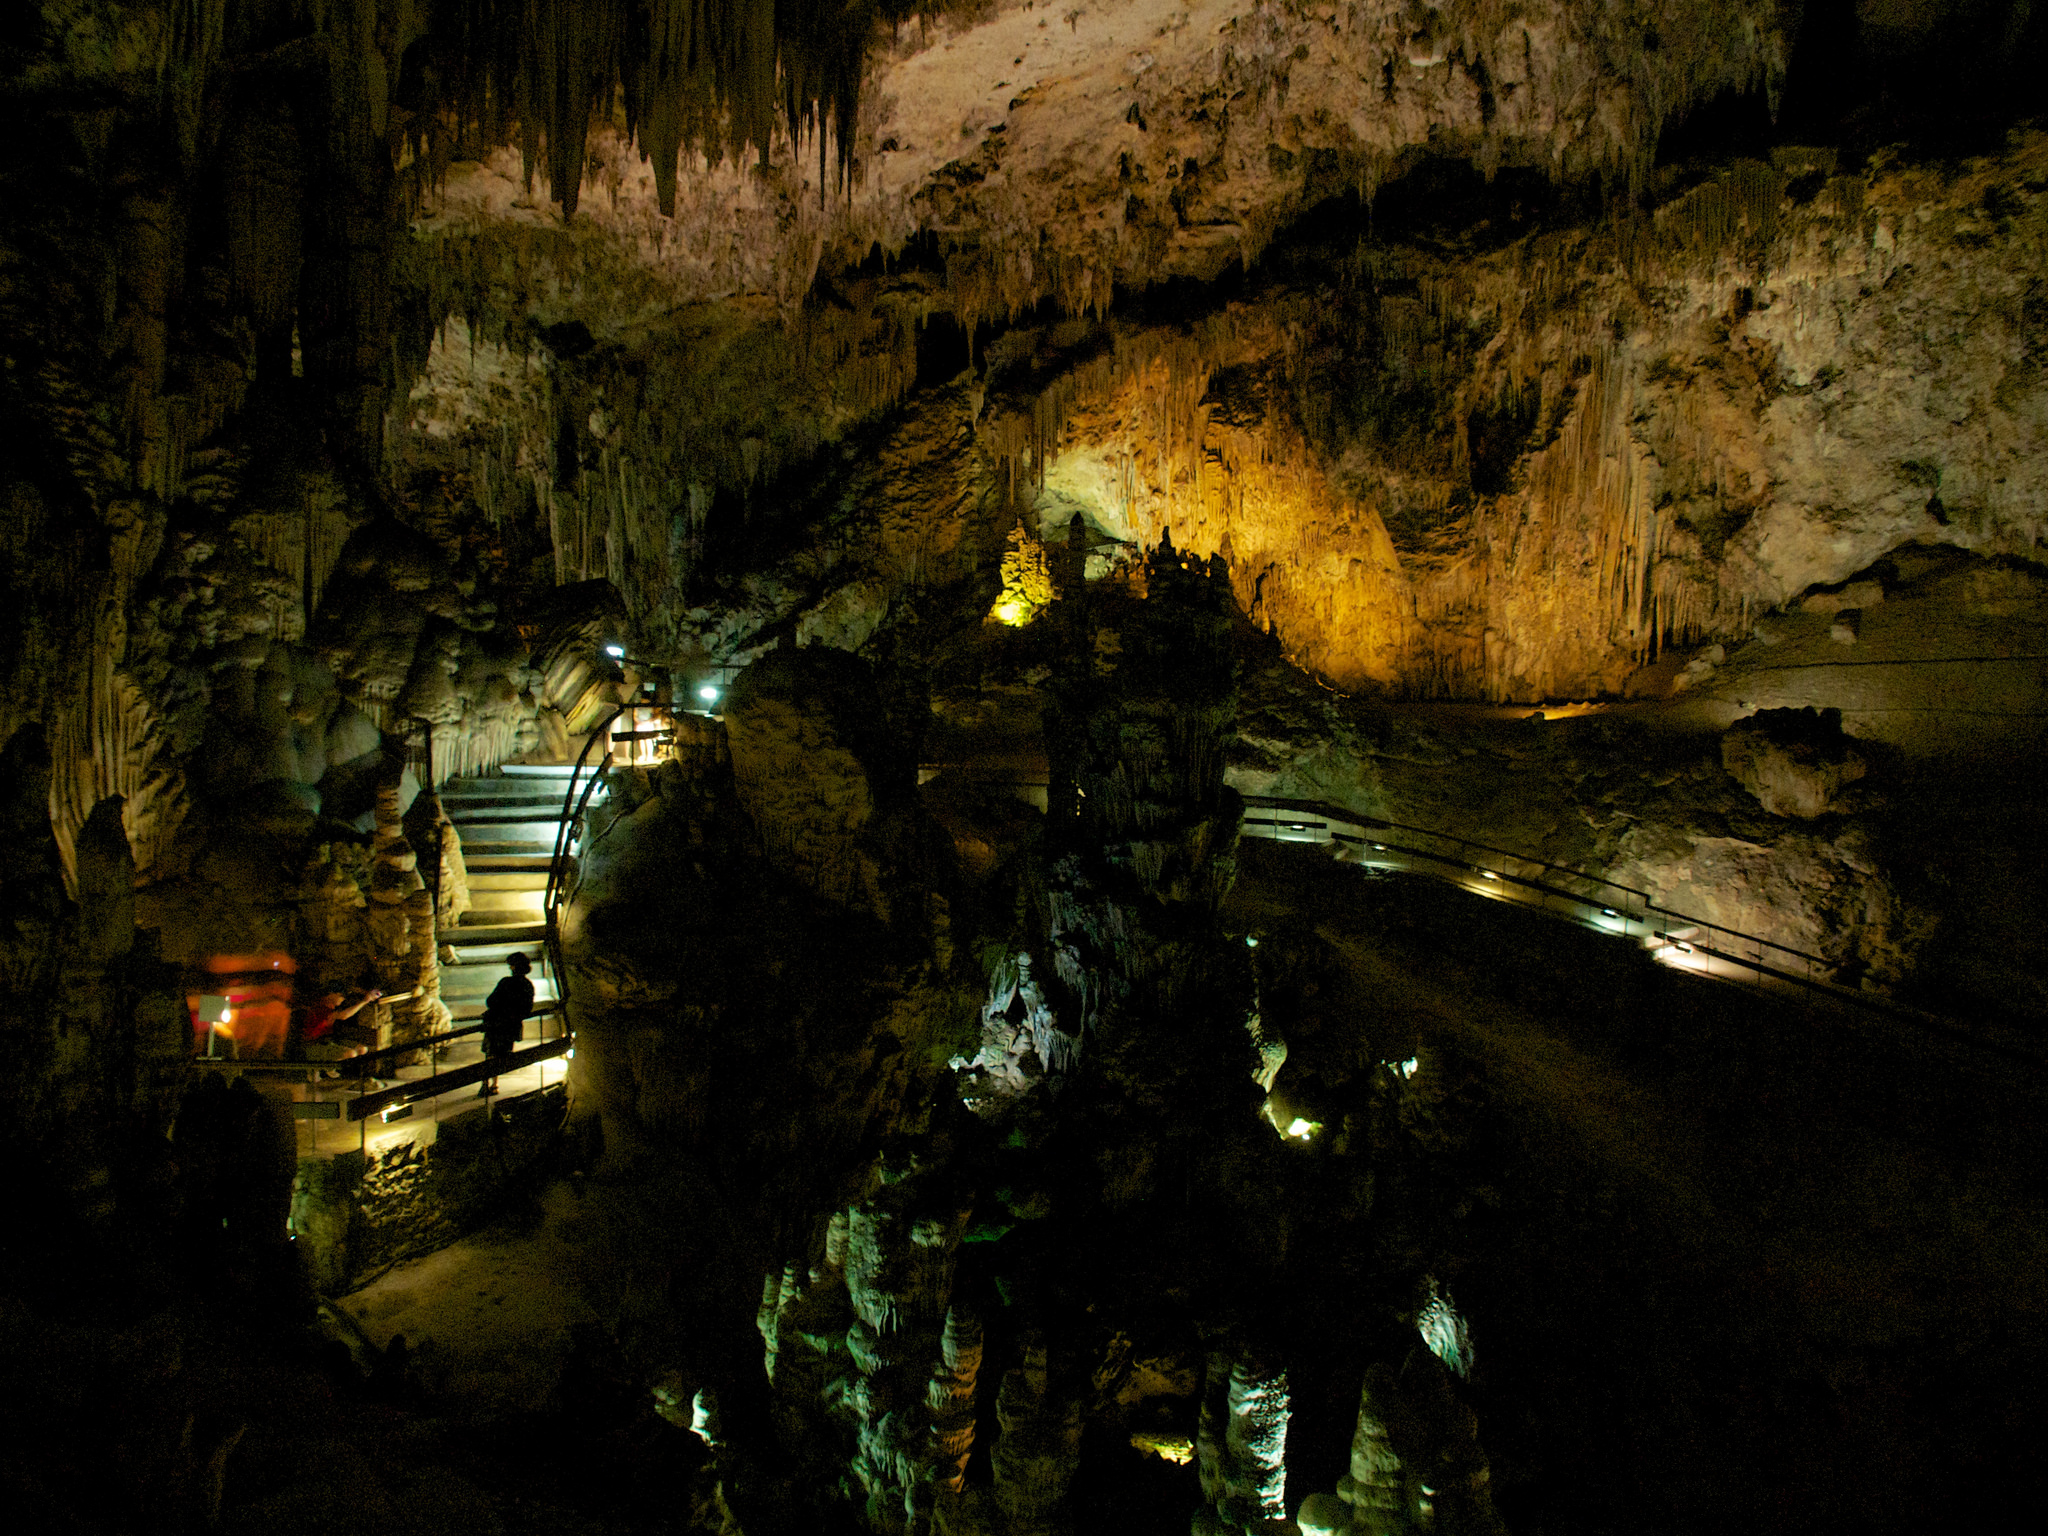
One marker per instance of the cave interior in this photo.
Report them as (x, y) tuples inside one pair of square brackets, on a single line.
[(1253, 767)]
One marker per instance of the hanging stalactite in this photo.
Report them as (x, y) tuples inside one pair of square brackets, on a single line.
[(715, 75)]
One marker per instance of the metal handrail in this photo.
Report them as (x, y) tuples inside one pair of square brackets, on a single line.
[(358, 1066), (555, 860), (565, 832), (1668, 923), (1649, 903), (365, 1105)]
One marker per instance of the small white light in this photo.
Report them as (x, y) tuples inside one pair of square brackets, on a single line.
[(616, 652), (1487, 874), (1250, 942), (1407, 1068), (708, 694), (1379, 847), (1609, 912), (1302, 1130)]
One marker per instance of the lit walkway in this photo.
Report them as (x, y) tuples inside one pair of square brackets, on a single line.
[(340, 1131)]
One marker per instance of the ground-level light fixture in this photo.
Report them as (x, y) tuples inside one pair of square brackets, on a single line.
[(1250, 942), (616, 652), (708, 693), (1609, 912), (1487, 874)]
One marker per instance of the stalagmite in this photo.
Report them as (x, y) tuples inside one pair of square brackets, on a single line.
[(1256, 1408), (1034, 1454), (951, 1399)]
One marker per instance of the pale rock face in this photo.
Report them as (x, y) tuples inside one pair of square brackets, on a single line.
[(1795, 766), (1323, 1514), (1020, 1039), (1241, 1443)]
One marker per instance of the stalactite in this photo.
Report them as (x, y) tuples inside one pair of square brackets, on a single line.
[(715, 74)]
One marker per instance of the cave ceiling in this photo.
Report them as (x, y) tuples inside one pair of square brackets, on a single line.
[(1495, 348)]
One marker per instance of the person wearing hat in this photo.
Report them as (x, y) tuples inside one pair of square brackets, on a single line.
[(505, 1012)]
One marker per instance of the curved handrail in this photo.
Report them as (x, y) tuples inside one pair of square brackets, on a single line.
[(572, 811), (568, 802)]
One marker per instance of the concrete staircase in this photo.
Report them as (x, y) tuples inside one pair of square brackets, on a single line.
[(508, 821)]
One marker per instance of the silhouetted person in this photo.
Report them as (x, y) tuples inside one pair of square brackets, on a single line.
[(505, 1011)]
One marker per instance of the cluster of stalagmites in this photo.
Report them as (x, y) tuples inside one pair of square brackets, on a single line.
[(865, 1349), (1416, 1463)]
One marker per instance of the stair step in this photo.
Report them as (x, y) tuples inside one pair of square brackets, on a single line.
[(529, 830), (505, 906), (476, 979), (511, 815), (527, 848), (540, 770), (508, 863), (504, 789), (509, 879), (466, 1010), (499, 933), (549, 812), (473, 982), (494, 953)]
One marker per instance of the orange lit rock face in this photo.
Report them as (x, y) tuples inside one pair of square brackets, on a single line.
[(1695, 432)]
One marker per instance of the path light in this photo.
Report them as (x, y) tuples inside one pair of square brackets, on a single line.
[(1609, 912), (1250, 942), (708, 693), (1302, 1130), (616, 652), (1487, 874)]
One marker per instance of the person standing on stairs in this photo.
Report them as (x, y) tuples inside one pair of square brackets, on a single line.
[(505, 1012)]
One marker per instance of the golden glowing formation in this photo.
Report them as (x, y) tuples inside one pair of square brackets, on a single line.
[(1177, 1449), (1027, 580)]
